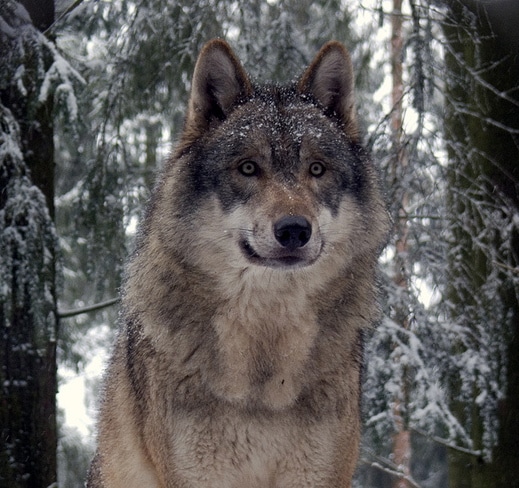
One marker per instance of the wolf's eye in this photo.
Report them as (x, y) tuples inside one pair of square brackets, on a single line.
[(317, 169), (248, 168)]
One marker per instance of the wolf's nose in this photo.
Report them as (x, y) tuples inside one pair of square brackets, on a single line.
[(292, 232)]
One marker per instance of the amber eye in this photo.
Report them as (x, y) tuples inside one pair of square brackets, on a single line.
[(248, 168), (317, 169)]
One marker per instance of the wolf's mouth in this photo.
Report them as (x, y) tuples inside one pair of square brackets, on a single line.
[(284, 261)]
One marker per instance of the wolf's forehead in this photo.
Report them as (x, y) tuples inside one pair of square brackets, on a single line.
[(282, 122)]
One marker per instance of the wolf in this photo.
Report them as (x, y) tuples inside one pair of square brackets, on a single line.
[(238, 360)]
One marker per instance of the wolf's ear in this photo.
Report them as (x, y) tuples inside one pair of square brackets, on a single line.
[(329, 80), (219, 82)]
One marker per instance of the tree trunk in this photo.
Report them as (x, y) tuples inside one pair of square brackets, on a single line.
[(482, 120), (28, 299), (401, 449)]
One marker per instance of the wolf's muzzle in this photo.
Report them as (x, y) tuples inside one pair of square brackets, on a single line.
[(288, 249), (292, 232)]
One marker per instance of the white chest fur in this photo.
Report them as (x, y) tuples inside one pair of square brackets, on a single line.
[(264, 338), (237, 452)]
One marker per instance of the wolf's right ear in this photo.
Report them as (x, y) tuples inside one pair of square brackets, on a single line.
[(219, 82)]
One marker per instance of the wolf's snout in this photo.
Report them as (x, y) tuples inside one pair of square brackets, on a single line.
[(292, 232)]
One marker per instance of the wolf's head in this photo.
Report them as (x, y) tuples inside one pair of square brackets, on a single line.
[(271, 177)]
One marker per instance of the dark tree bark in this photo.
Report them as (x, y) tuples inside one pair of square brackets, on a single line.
[(41, 11), (28, 302), (483, 123)]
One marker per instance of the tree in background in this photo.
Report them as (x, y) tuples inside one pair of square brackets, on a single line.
[(482, 136), (451, 372), (34, 81), (405, 407)]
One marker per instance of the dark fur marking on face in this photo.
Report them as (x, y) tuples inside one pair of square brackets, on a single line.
[(281, 118)]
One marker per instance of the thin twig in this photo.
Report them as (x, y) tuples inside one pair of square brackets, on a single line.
[(66, 12), (446, 443), (505, 266), (63, 314), (387, 466)]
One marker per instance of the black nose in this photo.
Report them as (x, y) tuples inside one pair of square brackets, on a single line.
[(292, 231)]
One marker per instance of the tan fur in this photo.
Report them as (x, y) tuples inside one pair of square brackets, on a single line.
[(234, 368)]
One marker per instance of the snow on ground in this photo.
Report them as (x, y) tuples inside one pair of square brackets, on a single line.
[(77, 394)]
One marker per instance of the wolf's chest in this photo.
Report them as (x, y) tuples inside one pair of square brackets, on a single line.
[(262, 355), (233, 450)]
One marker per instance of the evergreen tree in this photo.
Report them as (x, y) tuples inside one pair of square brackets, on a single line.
[(482, 129), (34, 79)]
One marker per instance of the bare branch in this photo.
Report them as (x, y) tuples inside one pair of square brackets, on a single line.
[(446, 443), (63, 314), (387, 466), (71, 7), (508, 268)]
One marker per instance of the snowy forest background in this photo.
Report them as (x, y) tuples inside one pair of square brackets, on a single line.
[(92, 95)]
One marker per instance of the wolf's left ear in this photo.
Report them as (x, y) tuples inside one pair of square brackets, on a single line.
[(219, 82), (329, 80)]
